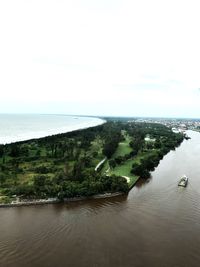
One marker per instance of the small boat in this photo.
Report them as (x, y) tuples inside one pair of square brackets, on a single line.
[(183, 182)]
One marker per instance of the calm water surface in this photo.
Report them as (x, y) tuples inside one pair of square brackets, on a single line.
[(157, 224)]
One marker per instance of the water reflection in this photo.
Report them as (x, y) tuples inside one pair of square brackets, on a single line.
[(142, 182)]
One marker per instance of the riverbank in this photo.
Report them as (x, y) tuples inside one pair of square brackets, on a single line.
[(25, 202)]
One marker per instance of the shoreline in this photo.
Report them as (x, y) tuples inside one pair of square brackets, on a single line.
[(35, 202), (95, 121)]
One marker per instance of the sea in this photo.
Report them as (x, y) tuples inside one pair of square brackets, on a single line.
[(21, 127)]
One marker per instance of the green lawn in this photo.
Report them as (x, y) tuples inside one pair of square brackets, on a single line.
[(123, 147), (124, 170)]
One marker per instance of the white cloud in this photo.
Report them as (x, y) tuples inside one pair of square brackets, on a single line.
[(100, 57)]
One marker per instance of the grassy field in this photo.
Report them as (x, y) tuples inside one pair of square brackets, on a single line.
[(123, 147), (124, 170)]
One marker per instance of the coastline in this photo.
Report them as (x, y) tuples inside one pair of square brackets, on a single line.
[(25, 202), (35, 134)]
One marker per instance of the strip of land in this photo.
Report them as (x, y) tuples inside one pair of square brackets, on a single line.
[(99, 161)]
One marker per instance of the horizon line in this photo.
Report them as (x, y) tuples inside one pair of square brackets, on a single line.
[(100, 116)]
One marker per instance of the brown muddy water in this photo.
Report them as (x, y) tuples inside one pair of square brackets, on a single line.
[(157, 224)]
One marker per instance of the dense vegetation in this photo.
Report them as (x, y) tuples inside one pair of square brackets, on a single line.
[(64, 165)]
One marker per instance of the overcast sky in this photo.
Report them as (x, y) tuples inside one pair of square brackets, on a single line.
[(100, 57)]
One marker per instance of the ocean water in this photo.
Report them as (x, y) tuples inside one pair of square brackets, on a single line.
[(20, 127)]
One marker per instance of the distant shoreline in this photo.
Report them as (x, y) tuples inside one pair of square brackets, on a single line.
[(23, 137)]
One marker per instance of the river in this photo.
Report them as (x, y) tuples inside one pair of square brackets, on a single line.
[(157, 224)]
